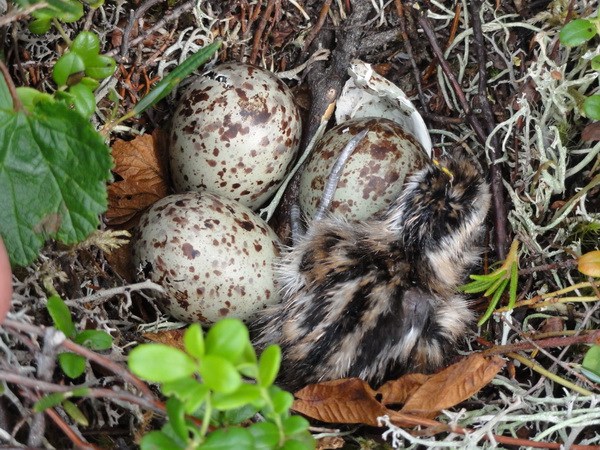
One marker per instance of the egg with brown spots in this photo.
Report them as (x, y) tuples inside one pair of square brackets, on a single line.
[(213, 256), (373, 175), (235, 132)]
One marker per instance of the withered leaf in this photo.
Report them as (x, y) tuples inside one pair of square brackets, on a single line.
[(400, 390), (591, 132), (453, 385), (173, 338), (141, 165), (349, 400), (589, 264)]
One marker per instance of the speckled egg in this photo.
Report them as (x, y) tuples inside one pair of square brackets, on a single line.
[(235, 132), (213, 256), (373, 175)]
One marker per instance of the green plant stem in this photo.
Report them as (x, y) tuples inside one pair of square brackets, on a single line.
[(276, 417), (539, 369), (62, 32), (206, 418)]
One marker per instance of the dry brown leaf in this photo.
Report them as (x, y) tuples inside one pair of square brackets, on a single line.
[(330, 442), (400, 390), (349, 400), (591, 132), (453, 385), (172, 338), (141, 165)]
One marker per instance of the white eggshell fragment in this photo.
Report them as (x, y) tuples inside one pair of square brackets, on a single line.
[(213, 256), (235, 132), (373, 175)]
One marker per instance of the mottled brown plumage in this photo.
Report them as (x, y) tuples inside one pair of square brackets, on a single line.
[(378, 298)]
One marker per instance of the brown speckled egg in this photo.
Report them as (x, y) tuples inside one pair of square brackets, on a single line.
[(373, 175), (235, 132), (213, 256)]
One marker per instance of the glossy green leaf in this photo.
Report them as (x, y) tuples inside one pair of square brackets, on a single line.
[(86, 45), (244, 394), (219, 374), (228, 339), (94, 339), (591, 360), (40, 26), (176, 415), (294, 424), (67, 11), (72, 365), (75, 413), (90, 83), (160, 363), (50, 401), (239, 415), (228, 439), (157, 440), (54, 167), (80, 99), (268, 365), (577, 32), (166, 85), (100, 67), (193, 341), (61, 316), (282, 400), (189, 390), (266, 435), (67, 64), (591, 107)]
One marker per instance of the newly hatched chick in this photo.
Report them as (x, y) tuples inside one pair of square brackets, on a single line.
[(378, 298)]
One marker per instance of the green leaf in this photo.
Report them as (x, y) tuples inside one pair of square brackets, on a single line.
[(6, 101), (166, 85), (72, 365), (157, 440), (80, 99), (227, 338), (67, 65), (193, 341), (239, 415), (591, 107), (228, 439), (176, 415), (94, 339), (89, 83), (268, 365), (577, 32), (75, 413), (160, 363), (54, 167), (40, 26), (591, 360), (86, 45), (100, 67), (304, 441), (67, 11), (191, 392), (243, 395), (50, 401), (61, 316), (282, 400), (596, 60), (31, 97), (514, 282), (219, 374), (294, 425), (266, 435)]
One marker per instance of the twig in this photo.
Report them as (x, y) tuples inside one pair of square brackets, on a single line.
[(92, 356), (17, 104), (77, 441), (317, 27), (262, 24), (101, 296), (133, 18), (497, 186), (20, 13)]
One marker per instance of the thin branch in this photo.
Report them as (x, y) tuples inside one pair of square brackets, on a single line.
[(17, 104)]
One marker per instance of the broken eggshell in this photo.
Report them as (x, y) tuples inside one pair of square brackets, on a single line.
[(372, 177), (235, 132), (213, 256)]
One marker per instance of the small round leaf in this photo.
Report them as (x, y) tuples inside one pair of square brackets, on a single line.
[(193, 341), (160, 363), (219, 374), (591, 107), (157, 440), (94, 339), (268, 365), (227, 338), (67, 64), (72, 365), (245, 394), (266, 434), (100, 67), (294, 424), (86, 45), (589, 264), (229, 438)]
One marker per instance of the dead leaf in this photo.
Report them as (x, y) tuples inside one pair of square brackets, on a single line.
[(589, 264), (172, 338), (330, 442), (120, 260), (400, 390), (349, 400), (141, 165), (591, 132), (453, 385)]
